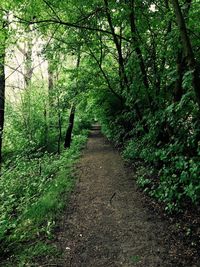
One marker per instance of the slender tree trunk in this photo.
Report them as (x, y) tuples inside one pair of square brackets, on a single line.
[(124, 82), (2, 80), (181, 67), (50, 84), (28, 63), (26, 51), (27, 77), (106, 77), (181, 64), (68, 136), (122, 72), (60, 131), (2, 100), (46, 128), (137, 47), (139, 52), (188, 50), (163, 56)]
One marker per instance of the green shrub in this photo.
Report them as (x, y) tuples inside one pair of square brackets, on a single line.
[(170, 147), (34, 191)]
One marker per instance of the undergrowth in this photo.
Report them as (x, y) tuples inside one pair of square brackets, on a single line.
[(34, 191), (164, 147)]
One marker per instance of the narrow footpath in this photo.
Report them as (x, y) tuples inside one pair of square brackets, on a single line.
[(107, 223)]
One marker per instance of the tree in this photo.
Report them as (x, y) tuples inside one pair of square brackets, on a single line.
[(68, 136), (3, 37), (188, 49)]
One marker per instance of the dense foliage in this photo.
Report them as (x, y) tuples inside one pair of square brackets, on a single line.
[(132, 65), (33, 193)]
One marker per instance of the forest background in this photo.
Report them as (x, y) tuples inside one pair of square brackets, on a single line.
[(133, 66)]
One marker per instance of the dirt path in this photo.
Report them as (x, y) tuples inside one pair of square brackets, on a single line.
[(107, 223)]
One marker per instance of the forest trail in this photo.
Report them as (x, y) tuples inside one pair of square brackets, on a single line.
[(107, 223)]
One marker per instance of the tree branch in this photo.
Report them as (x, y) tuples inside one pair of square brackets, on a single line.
[(52, 9), (70, 24)]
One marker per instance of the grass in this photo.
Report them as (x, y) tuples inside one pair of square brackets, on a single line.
[(34, 195)]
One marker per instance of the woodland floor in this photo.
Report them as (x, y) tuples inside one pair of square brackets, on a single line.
[(107, 222)]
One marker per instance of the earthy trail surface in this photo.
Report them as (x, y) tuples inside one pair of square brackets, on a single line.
[(107, 223)]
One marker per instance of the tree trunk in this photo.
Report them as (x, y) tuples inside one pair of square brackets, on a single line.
[(137, 47), (139, 52), (2, 82), (2, 100), (68, 136), (26, 51), (106, 77), (46, 128), (181, 67), (181, 64), (122, 72), (189, 53), (50, 84), (60, 133), (28, 63)]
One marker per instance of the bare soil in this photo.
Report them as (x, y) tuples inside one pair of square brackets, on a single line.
[(107, 222)]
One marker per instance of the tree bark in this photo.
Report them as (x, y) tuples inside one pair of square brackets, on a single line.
[(137, 47), (28, 63), (99, 63), (26, 51), (188, 50), (139, 52), (2, 81), (60, 128), (181, 67), (68, 136), (122, 72), (50, 84)]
